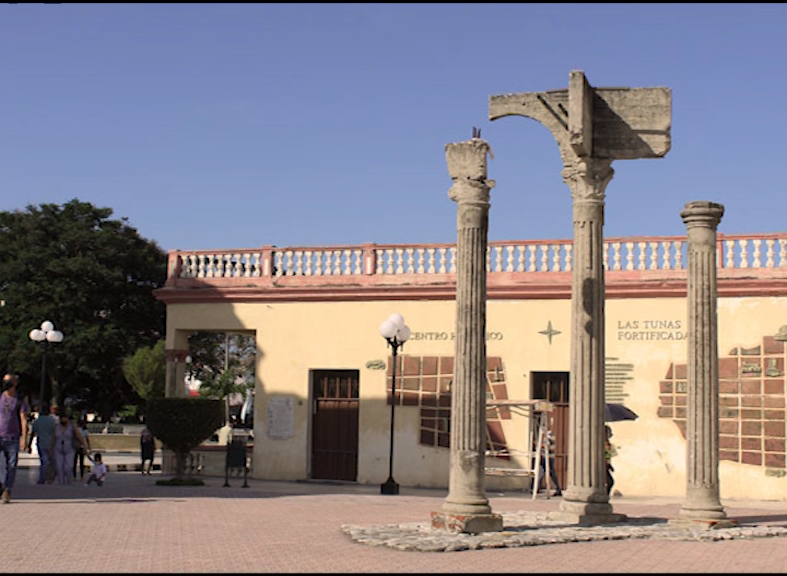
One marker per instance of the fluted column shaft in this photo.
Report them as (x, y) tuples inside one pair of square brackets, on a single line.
[(585, 493), (467, 166), (702, 422)]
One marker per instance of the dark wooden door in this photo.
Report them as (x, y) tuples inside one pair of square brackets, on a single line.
[(335, 424), (553, 387)]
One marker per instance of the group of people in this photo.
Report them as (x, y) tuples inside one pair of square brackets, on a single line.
[(62, 449), (62, 445)]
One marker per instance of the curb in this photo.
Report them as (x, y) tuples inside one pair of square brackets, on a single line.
[(110, 467)]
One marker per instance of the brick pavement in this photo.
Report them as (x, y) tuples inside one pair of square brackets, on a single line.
[(132, 525)]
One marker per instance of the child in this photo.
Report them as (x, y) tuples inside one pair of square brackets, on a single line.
[(99, 470)]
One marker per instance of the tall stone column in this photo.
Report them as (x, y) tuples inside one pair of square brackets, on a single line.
[(702, 502), (466, 508), (592, 127), (585, 497)]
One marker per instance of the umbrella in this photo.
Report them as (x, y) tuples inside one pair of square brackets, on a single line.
[(617, 412)]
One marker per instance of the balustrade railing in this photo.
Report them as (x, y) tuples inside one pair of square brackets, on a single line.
[(542, 256)]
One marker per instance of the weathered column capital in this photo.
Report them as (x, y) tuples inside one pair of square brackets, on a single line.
[(467, 164), (588, 178), (471, 191), (702, 214)]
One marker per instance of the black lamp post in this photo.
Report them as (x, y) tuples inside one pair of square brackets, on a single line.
[(45, 334), (396, 333)]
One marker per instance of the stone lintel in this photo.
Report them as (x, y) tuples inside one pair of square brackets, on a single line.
[(467, 523), (703, 523), (587, 519), (610, 123)]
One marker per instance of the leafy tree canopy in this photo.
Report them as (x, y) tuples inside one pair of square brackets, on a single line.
[(93, 277), (223, 363), (146, 371)]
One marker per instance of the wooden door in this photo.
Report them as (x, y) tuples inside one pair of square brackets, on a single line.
[(553, 387), (335, 425)]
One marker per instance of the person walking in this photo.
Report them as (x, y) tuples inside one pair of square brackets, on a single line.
[(43, 429), (64, 440), (13, 431), (147, 449), (80, 451), (609, 452)]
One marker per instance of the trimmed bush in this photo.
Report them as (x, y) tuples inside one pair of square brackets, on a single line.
[(182, 424), (96, 427)]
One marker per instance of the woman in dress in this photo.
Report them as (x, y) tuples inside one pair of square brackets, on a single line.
[(64, 439)]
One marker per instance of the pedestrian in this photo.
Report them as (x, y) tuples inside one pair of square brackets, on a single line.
[(609, 452), (147, 449), (224, 435), (13, 431), (64, 441), (43, 429), (80, 452), (99, 470), (548, 451)]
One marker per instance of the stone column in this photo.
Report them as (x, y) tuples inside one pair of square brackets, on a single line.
[(585, 499), (466, 508), (702, 503), (592, 127), (176, 372)]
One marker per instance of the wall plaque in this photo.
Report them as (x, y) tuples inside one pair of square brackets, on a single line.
[(280, 417)]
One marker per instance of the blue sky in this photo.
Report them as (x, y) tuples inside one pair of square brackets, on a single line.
[(218, 126)]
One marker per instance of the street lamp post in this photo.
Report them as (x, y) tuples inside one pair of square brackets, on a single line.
[(45, 334), (396, 333)]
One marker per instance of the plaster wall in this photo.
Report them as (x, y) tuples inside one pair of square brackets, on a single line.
[(294, 338)]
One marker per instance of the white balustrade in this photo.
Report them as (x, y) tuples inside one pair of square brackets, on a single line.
[(502, 257)]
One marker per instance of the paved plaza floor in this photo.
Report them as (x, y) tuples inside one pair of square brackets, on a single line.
[(132, 525)]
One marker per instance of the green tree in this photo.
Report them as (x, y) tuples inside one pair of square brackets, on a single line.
[(222, 384), (182, 424), (146, 371), (94, 278), (223, 363)]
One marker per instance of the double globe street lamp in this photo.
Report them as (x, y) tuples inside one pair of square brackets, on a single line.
[(45, 334), (396, 333)]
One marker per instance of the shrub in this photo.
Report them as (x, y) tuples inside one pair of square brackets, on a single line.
[(182, 424), (96, 427)]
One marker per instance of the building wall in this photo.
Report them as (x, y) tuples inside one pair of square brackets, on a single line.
[(645, 346)]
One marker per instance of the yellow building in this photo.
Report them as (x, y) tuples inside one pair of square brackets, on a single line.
[(323, 398)]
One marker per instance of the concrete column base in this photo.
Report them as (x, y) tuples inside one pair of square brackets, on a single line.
[(702, 523), (467, 523), (588, 517)]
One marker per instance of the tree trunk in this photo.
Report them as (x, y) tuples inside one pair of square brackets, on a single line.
[(180, 464)]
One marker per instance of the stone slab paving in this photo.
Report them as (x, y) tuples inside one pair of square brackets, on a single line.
[(131, 525), (535, 528)]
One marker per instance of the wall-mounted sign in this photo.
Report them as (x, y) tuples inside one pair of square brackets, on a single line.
[(449, 336), (647, 330), (281, 417)]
